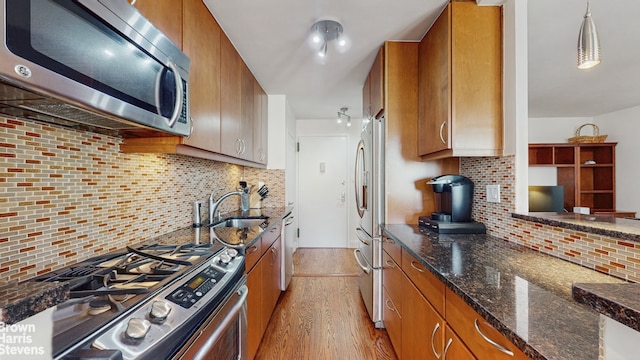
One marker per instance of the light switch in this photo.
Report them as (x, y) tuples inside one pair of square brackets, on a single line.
[(493, 193), (322, 167)]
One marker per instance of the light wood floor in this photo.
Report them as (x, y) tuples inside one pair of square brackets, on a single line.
[(321, 315)]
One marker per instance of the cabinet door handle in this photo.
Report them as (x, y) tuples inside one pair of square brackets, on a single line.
[(487, 339), (133, 2), (446, 348), (433, 334), (415, 267), (390, 264), (391, 308), (251, 250), (441, 132)]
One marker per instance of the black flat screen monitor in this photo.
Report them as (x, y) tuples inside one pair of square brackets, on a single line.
[(546, 198)]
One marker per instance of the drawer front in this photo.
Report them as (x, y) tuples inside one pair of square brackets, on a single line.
[(392, 320), (430, 287), (481, 338), (392, 276), (251, 255), (392, 248)]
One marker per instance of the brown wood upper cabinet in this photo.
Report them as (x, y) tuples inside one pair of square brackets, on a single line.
[(260, 131), (166, 16), (233, 86), (373, 89), (460, 83), (228, 106)]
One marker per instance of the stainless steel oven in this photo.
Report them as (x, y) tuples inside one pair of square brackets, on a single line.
[(223, 335), (153, 302)]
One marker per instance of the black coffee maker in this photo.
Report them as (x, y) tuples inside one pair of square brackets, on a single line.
[(454, 200)]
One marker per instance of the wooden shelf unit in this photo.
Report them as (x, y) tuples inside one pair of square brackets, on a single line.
[(586, 170)]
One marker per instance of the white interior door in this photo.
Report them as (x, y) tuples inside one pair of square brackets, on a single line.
[(322, 191)]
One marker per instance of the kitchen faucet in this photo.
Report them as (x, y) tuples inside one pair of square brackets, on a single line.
[(244, 201)]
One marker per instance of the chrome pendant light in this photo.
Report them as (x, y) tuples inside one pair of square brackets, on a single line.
[(588, 43)]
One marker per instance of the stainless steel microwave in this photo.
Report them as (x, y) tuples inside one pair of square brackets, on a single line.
[(93, 62)]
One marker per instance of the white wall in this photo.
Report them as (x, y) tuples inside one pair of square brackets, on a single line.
[(556, 130), (329, 127), (276, 130), (515, 98), (623, 127)]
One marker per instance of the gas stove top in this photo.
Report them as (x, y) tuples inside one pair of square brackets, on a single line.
[(106, 288)]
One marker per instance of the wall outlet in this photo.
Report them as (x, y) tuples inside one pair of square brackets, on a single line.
[(493, 193)]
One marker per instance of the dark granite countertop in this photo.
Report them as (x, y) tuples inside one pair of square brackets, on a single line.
[(620, 302), (19, 301), (524, 294), (607, 225)]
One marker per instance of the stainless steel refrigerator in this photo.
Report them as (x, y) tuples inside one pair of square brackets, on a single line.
[(390, 177), (369, 189)]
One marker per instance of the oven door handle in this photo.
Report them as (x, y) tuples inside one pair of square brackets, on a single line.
[(220, 328)]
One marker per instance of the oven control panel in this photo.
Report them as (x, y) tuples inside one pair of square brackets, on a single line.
[(184, 299), (199, 285)]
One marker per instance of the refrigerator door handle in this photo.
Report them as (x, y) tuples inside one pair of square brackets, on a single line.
[(364, 268), (366, 240), (359, 180)]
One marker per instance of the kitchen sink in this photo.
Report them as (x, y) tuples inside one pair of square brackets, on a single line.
[(239, 222)]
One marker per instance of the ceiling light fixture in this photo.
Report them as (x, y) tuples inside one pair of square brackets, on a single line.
[(343, 113), (588, 43), (324, 31)]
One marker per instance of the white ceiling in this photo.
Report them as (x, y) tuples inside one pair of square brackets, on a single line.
[(271, 36), (556, 87)]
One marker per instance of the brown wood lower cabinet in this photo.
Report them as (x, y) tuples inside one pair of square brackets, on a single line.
[(392, 318), (422, 327), (270, 280), (262, 266), (254, 310), (426, 320)]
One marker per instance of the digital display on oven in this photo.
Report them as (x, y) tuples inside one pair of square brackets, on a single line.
[(196, 282)]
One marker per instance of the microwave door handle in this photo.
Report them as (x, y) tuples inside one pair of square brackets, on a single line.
[(180, 97)]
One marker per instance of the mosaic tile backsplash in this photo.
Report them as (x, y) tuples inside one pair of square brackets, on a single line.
[(67, 195), (608, 255)]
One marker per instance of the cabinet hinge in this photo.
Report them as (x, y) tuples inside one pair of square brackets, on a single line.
[(298, 147), (298, 232)]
